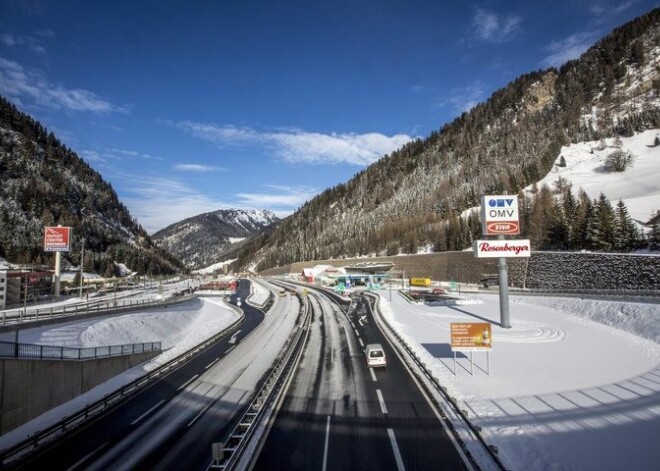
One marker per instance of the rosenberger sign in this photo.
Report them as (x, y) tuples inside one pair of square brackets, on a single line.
[(471, 336), (502, 248), (57, 239), (499, 215)]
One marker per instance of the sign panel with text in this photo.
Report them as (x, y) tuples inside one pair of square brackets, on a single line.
[(499, 215), (467, 336), (57, 239), (502, 248)]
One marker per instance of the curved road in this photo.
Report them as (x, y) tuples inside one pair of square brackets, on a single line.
[(142, 431)]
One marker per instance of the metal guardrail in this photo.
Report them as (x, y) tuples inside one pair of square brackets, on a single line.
[(34, 315), (429, 380), (26, 350), (11, 454), (240, 449)]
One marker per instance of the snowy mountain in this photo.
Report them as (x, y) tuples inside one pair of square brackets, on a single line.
[(415, 196), (213, 237)]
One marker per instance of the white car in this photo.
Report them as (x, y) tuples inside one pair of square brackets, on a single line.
[(375, 355)]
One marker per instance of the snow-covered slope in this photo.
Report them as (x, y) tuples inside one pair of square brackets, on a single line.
[(208, 238), (638, 186)]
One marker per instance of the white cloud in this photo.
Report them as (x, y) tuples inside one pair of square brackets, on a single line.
[(569, 48), (298, 146), (285, 198), (120, 153), (198, 168), (30, 42), (92, 156), (18, 83), (604, 9), (464, 99), (159, 202), (491, 27)]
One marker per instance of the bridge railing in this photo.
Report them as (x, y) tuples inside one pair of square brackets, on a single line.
[(25, 350)]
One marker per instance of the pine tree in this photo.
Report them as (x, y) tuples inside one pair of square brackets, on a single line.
[(627, 235), (601, 226)]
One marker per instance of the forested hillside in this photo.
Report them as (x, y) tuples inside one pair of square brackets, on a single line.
[(44, 183), (416, 195)]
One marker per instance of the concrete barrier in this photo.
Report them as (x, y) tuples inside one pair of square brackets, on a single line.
[(28, 388)]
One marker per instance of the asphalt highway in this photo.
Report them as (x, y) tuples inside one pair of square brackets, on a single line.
[(341, 415)]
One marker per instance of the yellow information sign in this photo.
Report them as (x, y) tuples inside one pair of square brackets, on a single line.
[(466, 336)]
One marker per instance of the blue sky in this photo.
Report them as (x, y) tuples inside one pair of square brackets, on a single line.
[(189, 107)]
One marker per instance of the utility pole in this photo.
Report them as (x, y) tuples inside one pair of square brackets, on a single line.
[(82, 268)]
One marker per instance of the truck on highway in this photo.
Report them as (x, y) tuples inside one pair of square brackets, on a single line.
[(424, 282)]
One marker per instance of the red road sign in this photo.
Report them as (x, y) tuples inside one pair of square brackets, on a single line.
[(502, 227), (57, 239)]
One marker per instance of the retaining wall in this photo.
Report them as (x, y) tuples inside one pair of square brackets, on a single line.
[(544, 270), (28, 388)]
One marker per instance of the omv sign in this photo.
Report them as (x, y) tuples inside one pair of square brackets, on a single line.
[(499, 215)]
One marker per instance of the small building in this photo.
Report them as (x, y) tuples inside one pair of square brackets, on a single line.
[(27, 285), (322, 273)]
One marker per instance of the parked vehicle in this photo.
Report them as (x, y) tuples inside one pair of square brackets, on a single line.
[(375, 355)]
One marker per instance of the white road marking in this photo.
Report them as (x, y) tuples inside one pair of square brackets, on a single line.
[(395, 449), (373, 375), (230, 349), (211, 364), (362, 319), (327, 440), (202, 412), (361, 342), (147, 413), (84, 458), (233, 339), (187, 382), (382, 401)]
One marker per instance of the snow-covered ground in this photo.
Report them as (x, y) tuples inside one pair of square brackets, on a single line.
[(573, 384), (638, 186)]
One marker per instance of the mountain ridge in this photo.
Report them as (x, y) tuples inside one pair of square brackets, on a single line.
[(209, 238), (416, 195)]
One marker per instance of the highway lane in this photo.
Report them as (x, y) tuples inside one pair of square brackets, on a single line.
[(104, 438), (341, 415)]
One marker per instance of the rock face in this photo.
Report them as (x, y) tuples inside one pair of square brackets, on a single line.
[(210, 238)]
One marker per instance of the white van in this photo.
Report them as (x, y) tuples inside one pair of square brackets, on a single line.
[(375, 355)]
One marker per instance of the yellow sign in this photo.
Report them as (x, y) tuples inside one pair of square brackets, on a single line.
[(471, 336)]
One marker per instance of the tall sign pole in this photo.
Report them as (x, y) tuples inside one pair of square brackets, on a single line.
[(82, 267), (57, 239), (503, 273), (499, 217)]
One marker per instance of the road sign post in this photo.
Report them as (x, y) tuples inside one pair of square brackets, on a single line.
[(57, 239), (499, 217)]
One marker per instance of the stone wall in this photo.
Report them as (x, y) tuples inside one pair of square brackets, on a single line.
[(543, 270)]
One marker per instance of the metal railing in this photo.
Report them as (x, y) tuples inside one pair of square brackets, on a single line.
[(242, 444), (26, 350), (33, 315)]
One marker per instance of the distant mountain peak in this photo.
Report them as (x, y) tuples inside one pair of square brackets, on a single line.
[(209, 238)]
